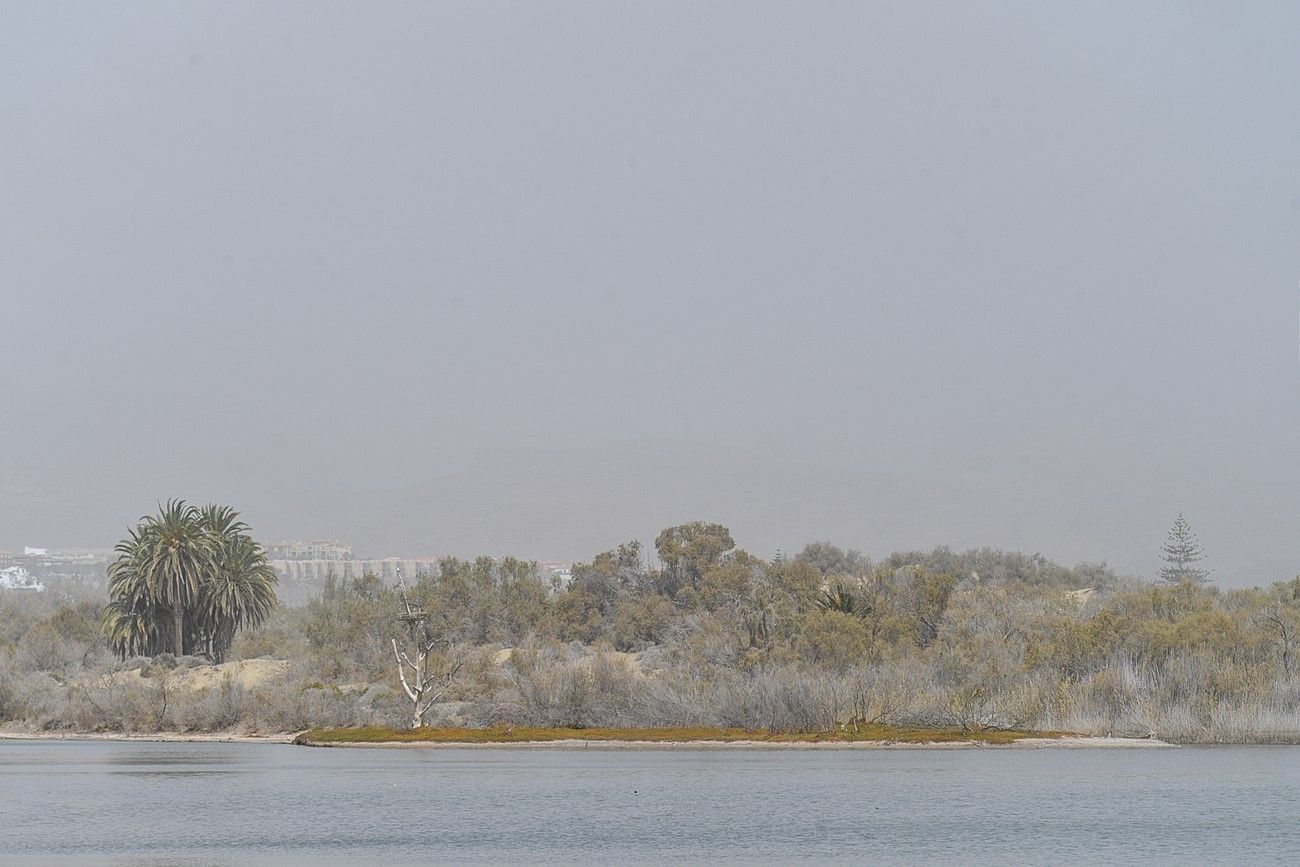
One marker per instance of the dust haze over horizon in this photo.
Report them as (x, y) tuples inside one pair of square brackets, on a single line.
[(540, 278)]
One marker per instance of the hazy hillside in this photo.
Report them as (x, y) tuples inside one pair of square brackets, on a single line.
[(569, 504)]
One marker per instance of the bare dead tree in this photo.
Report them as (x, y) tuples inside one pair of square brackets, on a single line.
[(1279, 620), (163, 693), (430, 672)]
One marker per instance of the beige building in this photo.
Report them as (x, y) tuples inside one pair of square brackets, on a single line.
[(322, 549), (315, 571)]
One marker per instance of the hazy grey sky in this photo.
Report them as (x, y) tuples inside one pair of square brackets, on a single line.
[(1025, 275)]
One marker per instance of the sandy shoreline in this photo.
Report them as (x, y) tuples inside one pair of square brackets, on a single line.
[(578, 744)]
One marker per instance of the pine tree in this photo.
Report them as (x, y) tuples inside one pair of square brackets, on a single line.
[(1182, 551)]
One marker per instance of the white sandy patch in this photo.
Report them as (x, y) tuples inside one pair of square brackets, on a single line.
[(247, 673)]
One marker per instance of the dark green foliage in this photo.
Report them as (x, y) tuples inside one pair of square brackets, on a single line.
[(840, 598), (186, 580)]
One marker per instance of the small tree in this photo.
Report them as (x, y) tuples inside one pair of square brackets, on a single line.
[(430, 673), (1281, 618), (1281, 622), (1181, 552)]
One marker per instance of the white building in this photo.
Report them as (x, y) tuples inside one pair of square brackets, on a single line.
[(18, 578)]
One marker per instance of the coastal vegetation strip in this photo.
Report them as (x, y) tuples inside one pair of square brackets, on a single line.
[(711, 636), (692, 734)]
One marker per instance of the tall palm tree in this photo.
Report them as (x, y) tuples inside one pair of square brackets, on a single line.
[(132, 617), (131, 630), (177, 551), (240, 591), (160, 566)]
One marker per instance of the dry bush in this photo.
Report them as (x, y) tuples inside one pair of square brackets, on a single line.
[(563, 685)]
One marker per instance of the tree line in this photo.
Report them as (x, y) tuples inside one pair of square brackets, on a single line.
[(709, 634)]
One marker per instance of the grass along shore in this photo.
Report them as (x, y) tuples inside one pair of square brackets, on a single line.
[(868, 735)]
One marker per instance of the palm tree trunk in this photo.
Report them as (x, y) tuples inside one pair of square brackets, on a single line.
[(178, 630)]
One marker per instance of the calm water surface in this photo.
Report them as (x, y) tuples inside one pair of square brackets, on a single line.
[(131, 803)]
